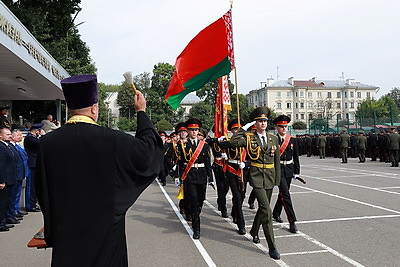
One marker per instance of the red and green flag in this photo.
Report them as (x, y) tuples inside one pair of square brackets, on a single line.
[(208, 56)]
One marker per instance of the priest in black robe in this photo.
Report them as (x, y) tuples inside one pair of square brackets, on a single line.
[(88, 176)]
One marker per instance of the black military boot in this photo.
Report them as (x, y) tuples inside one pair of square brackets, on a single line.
[(196, 227)]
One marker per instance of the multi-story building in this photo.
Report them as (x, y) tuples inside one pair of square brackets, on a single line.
[(304, 100)]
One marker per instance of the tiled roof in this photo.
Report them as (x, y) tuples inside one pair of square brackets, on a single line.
[(306, 84)]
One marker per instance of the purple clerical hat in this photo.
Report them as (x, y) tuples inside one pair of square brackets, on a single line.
[(80, 91)]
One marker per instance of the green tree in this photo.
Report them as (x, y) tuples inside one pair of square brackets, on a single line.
[(244, 108), (127, 125), (299, 125), (395, 95), (204, 112), (164, 125)]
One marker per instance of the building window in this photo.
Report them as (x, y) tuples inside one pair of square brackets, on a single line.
[(309, 94), (301, 105), (320, 105), (339, 116), (338, 95), (337, 105), (256, 98), (288, 94), (351, 104), (297, 117), (359, 94), (345, 105), (310, 104), (301, 94), (368, 95), (278, 105), (345, 94), (351, 94), (297, 105), (289, 105), (302, 116), (329, 94), (278, 95), (329, 105), (319, 94)]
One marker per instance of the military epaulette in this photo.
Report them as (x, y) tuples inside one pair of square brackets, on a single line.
[(249, 134)]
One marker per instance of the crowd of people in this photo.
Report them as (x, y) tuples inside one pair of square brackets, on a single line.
[(109, 176), (18, 155), (382, 146)]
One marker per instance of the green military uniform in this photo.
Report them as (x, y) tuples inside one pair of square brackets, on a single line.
[(394, 140), (265, 173), (344, 145), (361, 146), (321, 144)]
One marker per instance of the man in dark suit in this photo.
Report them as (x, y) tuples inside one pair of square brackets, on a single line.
[(16, 137), (31, 144), (11, 214), (7, 175), (88, 176)]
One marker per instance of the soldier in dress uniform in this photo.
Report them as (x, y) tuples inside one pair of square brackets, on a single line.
[(321, 144), (166, 162), (290, 169), (218, 168), (234, 174), (344, 145), (194, 162), (4, 122), (394, 141), (361, 146), (182, 133), (265, 171)]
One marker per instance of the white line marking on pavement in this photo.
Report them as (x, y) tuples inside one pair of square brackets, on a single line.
[(304, 252), (349, 199), (247, 235), (349, 184), (349, 219), (352, 200), (331, 250), (198, 244)]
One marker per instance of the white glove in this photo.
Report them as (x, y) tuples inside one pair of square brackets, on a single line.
[(174, 168), (242, 165), (212, 185), (177, 182), (296, 176), (224, 155), (222, 138), (248, 125)]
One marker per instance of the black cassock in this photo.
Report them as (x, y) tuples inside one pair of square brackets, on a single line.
[(87, 178)]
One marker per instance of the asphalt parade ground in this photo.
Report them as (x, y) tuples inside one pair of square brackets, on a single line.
[(348, 215)]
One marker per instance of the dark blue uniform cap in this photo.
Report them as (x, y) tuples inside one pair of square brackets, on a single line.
[(80, 91)]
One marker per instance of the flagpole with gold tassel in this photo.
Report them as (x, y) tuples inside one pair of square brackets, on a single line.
[(238, 116)]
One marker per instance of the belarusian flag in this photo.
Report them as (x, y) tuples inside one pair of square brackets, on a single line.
[(208, 56), (222, 106)]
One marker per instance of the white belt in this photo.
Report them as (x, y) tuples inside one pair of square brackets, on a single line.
[(219, 158), (234, 161), (198, 165), (286, 162)]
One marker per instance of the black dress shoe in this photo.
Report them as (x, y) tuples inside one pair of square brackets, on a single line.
[(23, 213), (251, 206), (4, 228), (242, 231), (278, 219), (12, 221), (256, 239), (293, 228), (9, 225), (224, 214), (196, 234), (273, 253)]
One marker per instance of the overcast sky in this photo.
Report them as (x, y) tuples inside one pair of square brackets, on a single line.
[(285, 38)]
